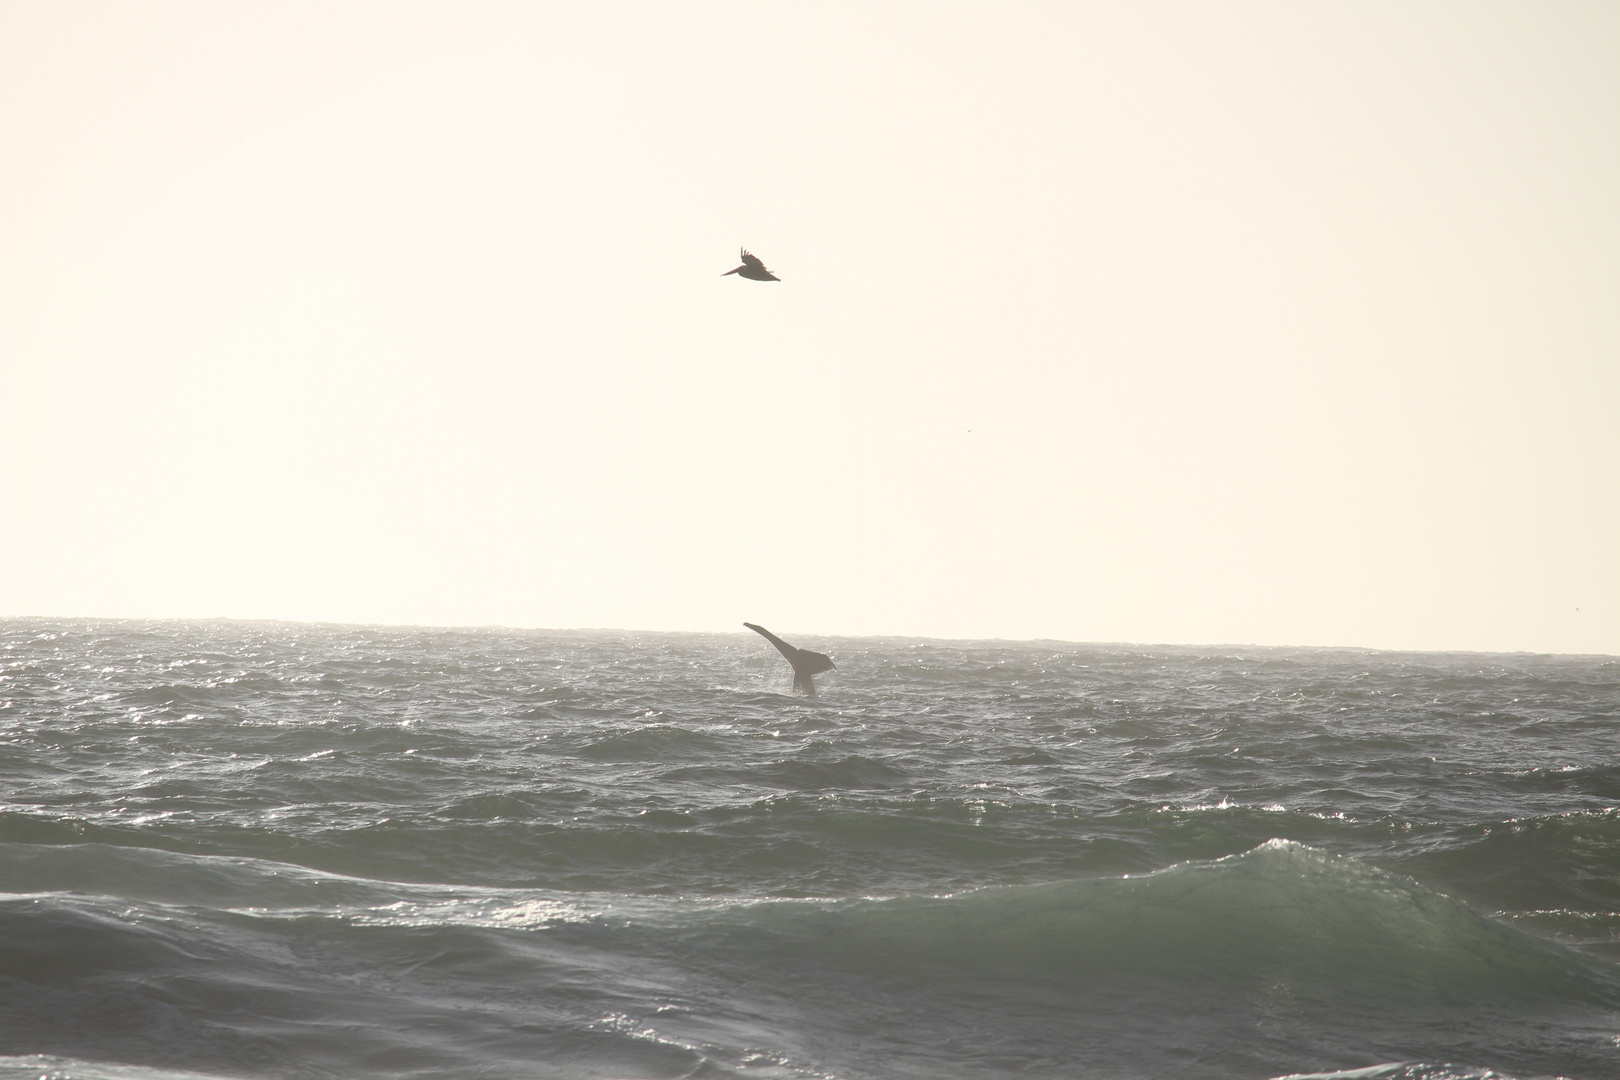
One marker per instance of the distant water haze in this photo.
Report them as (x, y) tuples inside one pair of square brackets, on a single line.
[(1245, 322)]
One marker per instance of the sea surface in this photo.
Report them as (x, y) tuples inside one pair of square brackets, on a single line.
[(279, 850)]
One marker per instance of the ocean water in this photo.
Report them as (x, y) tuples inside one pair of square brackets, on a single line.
[(276, 850)]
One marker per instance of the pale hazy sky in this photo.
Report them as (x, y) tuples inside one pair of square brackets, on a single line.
[(1279, 323)]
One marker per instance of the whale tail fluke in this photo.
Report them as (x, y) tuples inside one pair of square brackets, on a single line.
[(805, 663)]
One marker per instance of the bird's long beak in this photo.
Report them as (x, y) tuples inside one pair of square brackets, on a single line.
[(731, 271)]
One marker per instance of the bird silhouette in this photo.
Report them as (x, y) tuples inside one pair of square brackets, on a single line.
[(752, 269)]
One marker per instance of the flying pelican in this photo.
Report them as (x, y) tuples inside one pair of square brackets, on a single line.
[(753, 269), (805, 663)]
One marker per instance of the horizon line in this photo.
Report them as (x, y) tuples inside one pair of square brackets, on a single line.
[(337, 624)]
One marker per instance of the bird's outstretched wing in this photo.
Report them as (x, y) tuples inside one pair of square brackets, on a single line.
[(752, 260)]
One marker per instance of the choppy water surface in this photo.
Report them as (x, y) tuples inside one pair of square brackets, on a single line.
[(269, 850)]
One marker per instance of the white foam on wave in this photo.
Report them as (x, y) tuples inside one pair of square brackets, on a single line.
[(49, 1067)]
